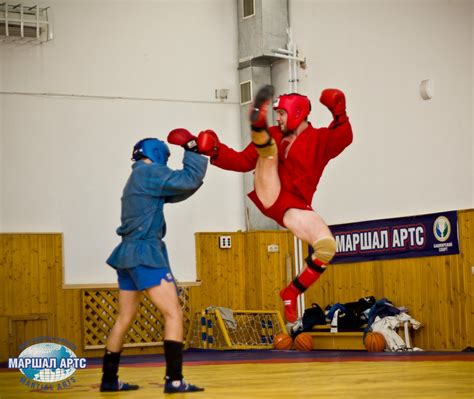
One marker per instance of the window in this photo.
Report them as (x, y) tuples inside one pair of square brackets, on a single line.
[(248, 8), (245, 92)]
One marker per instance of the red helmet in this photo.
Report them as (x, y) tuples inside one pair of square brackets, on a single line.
[(296, 106)]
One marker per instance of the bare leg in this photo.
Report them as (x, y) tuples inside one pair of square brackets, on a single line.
[(165, 298), (128, 307), (308, 226), (267, 182)]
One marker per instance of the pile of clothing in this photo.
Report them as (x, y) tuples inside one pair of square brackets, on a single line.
[(368, 314), (385, 318)]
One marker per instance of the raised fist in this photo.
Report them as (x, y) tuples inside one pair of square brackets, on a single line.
[(335, 100), (208, 143)]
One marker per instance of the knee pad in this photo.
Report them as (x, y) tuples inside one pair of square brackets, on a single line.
[(266, 149), (324, 249)]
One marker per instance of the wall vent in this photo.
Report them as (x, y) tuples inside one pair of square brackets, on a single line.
[(245, 92), (248, 8), (24, 24)]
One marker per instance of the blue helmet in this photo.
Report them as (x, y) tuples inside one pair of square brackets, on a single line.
[(153, 149)]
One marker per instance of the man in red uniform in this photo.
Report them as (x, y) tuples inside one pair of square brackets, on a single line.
[(288, 161)]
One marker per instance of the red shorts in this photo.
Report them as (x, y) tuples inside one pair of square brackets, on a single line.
[(285, 201)]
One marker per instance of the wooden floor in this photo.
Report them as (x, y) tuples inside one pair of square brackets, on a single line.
[(301, 379)]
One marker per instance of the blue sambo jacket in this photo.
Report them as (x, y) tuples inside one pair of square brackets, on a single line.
[(143, 226)]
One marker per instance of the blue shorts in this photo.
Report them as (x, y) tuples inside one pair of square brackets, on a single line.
[(141, 277)]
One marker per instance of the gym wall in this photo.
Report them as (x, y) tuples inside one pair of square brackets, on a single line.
[(114, 73), (117, 73)]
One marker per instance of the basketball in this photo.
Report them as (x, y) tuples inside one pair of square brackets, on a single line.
[(282, 342), (374, 342), (304, 342)]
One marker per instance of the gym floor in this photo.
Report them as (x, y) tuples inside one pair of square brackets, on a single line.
[(279, 374)]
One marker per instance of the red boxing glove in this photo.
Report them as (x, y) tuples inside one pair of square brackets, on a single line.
[(259, 108), (335, 100), (184, 138), (208, 143)]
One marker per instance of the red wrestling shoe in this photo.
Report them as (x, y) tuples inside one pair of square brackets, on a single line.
[(289, 296)]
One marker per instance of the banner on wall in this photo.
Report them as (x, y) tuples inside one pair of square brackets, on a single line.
[(406, 237)]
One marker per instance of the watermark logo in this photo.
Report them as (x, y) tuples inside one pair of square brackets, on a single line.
[(47, 365)]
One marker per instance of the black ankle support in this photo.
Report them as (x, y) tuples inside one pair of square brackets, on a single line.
[(300, 287), (174, 360), (110, 366), (314, 266)]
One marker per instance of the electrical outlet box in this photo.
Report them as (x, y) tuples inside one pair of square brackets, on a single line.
[(272, 248), (225, 242)]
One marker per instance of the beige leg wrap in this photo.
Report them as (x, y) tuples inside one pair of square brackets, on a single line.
[(324, 249), (264, 144)]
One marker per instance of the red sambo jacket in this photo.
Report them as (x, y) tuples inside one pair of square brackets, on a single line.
[(302, 167)]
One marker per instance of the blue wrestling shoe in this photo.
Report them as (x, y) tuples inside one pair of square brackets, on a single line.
[(180, 386), (117, 386)]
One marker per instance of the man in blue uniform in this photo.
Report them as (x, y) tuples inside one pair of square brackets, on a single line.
[(141, 259)]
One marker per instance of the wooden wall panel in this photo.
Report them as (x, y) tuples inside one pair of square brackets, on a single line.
[(23, 328), (31, 284), (255, 278), (439, 291), (23, 276), (4, 341), (221, 272), (266, 271), (256, 275)]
